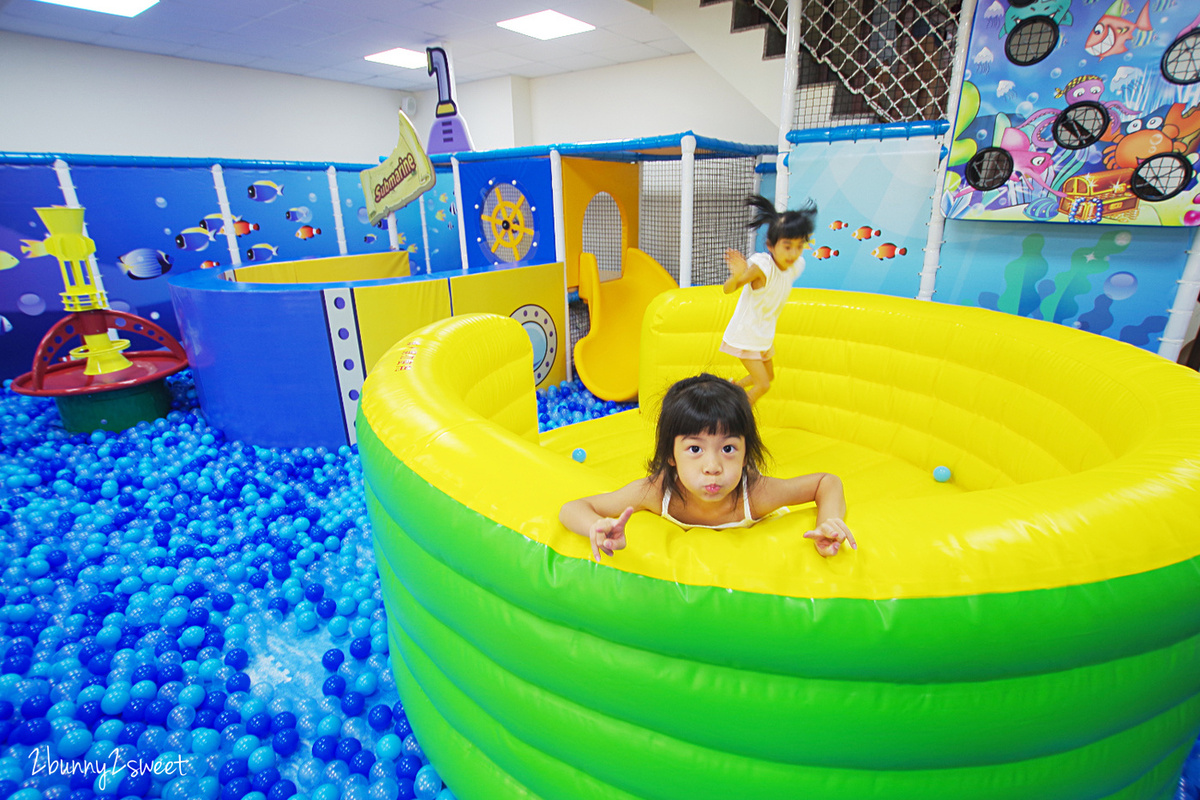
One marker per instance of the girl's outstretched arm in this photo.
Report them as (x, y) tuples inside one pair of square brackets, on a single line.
[(741, 273), (823, 488), (601, 518)]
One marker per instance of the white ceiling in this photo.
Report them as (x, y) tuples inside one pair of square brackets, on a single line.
[(328, 38)]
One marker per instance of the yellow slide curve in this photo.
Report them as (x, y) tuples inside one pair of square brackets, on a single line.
[(607, 358)]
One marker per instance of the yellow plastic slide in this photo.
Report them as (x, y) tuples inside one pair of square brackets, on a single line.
[(607, 358)]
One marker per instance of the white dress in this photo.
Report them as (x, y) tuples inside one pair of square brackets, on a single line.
[(752, 326)]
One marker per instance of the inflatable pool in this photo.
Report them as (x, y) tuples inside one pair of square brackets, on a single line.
[(1028, 629)]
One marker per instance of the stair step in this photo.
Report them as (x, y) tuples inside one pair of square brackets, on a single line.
[(746, 16), (774, 43)]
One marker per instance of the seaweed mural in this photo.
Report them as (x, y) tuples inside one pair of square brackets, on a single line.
[(1028, 292)]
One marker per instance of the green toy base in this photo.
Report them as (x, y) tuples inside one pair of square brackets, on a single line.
[(114, 410)]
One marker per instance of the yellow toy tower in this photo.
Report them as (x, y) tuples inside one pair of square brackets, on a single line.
[(97, 385)]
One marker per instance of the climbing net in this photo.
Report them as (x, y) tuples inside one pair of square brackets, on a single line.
[(878, 61)]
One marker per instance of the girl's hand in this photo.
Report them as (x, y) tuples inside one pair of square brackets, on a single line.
[(736, 262), (829, 535), (608, 534)]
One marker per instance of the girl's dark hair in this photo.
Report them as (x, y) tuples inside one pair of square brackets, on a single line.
[(793, 224), (705, 404)]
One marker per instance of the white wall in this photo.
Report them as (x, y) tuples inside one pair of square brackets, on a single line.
[(648, 98), (75, 98), (625, 101)]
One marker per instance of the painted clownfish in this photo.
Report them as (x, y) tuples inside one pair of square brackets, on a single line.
[(888, 250)]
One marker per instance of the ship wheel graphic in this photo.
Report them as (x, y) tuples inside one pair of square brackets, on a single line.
[(508, 228)]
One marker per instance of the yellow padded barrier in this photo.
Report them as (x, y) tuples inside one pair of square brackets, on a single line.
[(1051, 432)]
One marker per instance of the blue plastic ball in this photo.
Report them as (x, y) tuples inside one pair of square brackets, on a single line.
[(941, 474), (427, 783), (579, 454), (379, 717), (353, 704), (325, 747), (286, 741)]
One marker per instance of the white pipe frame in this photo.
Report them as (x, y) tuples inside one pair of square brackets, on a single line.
[(1184, 305), (424, 237), (687, 200), (336, 198), (462, 213), (560, 252), (937, 220), (235, 255), (787, 108)]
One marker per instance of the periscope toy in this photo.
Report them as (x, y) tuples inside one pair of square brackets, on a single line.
[(99, 385)]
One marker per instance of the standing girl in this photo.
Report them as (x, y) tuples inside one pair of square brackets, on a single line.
[(706, 473), (765, 281)]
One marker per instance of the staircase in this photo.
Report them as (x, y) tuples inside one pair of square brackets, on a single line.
[(890, 63), (770, 15)]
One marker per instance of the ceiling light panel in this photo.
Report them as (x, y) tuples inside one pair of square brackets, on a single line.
[(121, 8), (546, 25)]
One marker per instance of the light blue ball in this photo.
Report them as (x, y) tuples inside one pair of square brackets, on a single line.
[(579, 454), (941, 474), (427, 783)]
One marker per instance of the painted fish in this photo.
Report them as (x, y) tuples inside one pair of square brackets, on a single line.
[(264, 191), (401, 239), (212, 222), (307, 232), (440, 216), (144, 263), (209, 264), (5, 325), (370, 237), (301, 214), (194, 239), (443, 198), (412, 248), (864, 233), (888, 250), (824, 252), (261, 252), (1112, 31), (837, 225), (33, 248), (241, 227), (8, 260)]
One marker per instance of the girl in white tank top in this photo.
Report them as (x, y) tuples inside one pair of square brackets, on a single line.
[(706, 473)]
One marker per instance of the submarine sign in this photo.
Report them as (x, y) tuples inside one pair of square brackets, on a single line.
[(402, 177)]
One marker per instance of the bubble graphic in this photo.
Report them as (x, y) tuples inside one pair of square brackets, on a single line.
[(312, 197), (349, 202), (161, 202), (363, 217), (120, 305), (154, 315), (31, 304), (1120, 285), (1056, 73), (1123, 238)]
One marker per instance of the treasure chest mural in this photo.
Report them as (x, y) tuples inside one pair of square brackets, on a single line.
[(1078, 112)]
